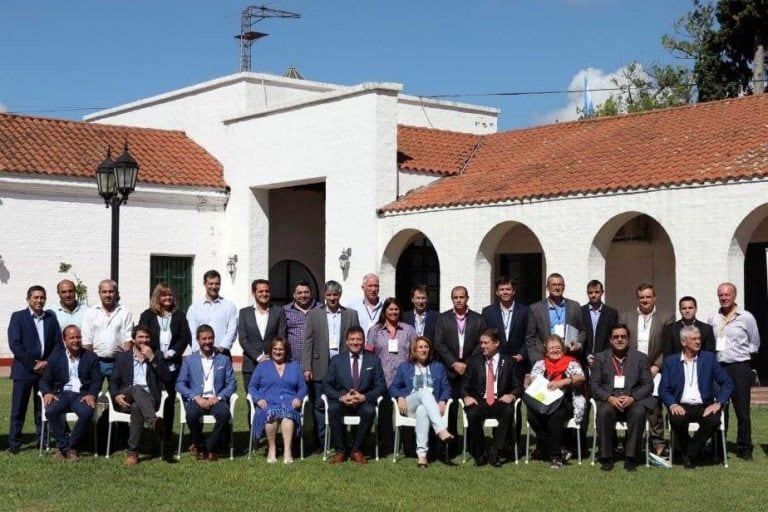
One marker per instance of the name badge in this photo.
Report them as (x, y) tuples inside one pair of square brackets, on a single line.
[(559, 329), (333, 342), (392, 346), (720, 343), (618, 382)]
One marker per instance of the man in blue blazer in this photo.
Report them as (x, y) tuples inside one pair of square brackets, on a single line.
[(206, 383), (353, 383), (421, 317), (33, 335), (687, 389), (70, 383)]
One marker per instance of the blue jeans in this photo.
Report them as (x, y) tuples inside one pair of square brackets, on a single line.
[(424, 407)]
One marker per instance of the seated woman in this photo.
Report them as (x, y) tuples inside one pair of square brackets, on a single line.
[(277, 389), (563, 372), (421, 389)]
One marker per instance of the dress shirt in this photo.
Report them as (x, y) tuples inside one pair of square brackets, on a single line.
[(74, 317), (378, 337), (420, 322), (594, 315), (644, 324), (295, 322), (556, 317), (495, 369), (691, 394), (73, 384), (367, 317), (106, 331), (40, 327), (208, 387), (737, 337), (506, 318), (334, 331), (261, 320), (140, 373), (220, 314)]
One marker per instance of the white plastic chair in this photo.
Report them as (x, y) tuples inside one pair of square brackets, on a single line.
[(116, 416), (620, 426), (489, 423), (208, 419), (252, 406), (349, 421), (70, 417), (570, 424), (694, 427), (407, 421)]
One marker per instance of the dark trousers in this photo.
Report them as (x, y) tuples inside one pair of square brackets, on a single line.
[(169, 410), (453, 412), (707, 426), (477, 414), (315, 389), (607, 416), (385, 427), (22, 389), (142, 409), (741, 374), (550, 428), (195, 414), (68, 401), (336, 413)]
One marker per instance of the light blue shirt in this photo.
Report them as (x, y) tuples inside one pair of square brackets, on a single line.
[(334, 329), (220, 314), (140, 373), (556, 315), (73, 384), (65, 318)]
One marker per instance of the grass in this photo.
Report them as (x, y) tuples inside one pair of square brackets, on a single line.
[(30, 483)]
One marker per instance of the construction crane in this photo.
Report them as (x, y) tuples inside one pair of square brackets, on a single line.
[(251, 15)]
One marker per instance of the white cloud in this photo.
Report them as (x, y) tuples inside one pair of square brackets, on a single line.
[(597, 79)]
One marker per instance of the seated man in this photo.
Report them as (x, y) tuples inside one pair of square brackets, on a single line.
[(138, 379), (622, 386), (687, 389), (353, 383), (206, 383), (489, 388), (70, 383)]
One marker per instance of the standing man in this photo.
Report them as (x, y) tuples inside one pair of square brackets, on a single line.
[(324, 330), (216, 311), (421, 317), (69, 311), (510, 319), (598, 320), (671, 335), (206, 383), (70, 383), (555, 315), (737, 339), (457, 337), (296, 317), (107, 328), (369, 308), (257, 326), (33, 335), (648, 326)]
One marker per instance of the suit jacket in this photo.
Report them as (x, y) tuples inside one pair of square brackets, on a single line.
[(638, 382), (517, 330), (403, 383), (158, 375), (507, 378), (25, 343), (447, 338), (671, 337), (192, 380), (409, 317), (708, 370), (315, 352), (56, 374), (338, 379), (181, 337), (539, 328), (253, 343), (655, 341), (598, 341)]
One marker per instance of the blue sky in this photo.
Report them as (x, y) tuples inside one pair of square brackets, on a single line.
[(61, 58)]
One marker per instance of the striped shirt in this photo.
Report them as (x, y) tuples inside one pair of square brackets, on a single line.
[(736, 337)]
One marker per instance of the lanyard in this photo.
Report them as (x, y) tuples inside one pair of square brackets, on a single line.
[(618, 367)]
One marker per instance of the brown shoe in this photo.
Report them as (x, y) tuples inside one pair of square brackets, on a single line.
[(72, 455), (338, 458), (213, 457), (59, 455), (358, 457), (193, 448), (131, 458), (200, 455)]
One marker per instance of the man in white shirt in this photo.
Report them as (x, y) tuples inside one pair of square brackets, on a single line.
[(216, 311), (369, 307)]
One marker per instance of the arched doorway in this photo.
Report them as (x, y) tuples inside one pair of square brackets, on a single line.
[(282, 277), (418, 264)]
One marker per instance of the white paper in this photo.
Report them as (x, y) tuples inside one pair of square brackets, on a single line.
[(571, 335), (656, 382), (559, 329), (538, 389), (333, 342)]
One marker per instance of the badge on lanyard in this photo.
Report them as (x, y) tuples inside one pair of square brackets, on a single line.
[(618, 382), (392, 346)]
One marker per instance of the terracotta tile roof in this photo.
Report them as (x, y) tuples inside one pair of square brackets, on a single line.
[(434, 151), (56, 147), (708, 142)]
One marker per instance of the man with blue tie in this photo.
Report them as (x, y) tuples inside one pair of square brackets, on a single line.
[(353, 383), (206, 383), (33, 335)]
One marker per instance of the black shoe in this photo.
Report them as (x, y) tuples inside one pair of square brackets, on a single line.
[(630, 464), (606, 464), (481, 460), (688, 462), (745, 455), (497, 461), (14, 449)]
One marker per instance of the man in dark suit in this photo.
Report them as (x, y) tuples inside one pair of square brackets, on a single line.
[(489, 389), (671, 340), (598, 320), (33, 335), (325, 329), (622, 385), (256, 327), (70, 383), (421, 317), (353, 383), (555, 315), (457, 337), (138, 379), (687, 389)]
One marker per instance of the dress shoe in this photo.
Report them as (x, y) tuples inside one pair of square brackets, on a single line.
[(745, 455), (496, 461), (213, 457), (556, 463), (688, 462), (72, 455), (481, 460), (13, 450), (131, 458), (59, 455), (630, 464), (200, 455), (337, 458), (606, 464), (358, 457)]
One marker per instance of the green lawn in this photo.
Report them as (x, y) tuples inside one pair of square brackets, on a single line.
[(31, 483)]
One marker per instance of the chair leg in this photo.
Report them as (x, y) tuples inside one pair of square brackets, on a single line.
[(464, 455), (250, 443), (326, 440), (397, 444), (527, 443), (109, 439), (42, 435), (181, 436), (578, 444), (95, 438), (231, 441), (725, 451), (671, 447), (594, 445)]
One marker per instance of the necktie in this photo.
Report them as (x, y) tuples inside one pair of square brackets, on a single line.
[(355, 371), (490, 397)]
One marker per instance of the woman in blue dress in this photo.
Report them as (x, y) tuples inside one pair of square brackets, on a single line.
[(277, 389)]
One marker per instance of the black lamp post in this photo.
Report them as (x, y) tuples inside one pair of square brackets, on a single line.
[(116, 180)]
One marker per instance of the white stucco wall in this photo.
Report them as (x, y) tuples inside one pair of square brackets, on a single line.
[(446, 115)]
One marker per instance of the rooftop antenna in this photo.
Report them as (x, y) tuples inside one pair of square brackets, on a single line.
[(251, 15)]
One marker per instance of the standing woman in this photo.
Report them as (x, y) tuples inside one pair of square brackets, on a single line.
[(169, 333)]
